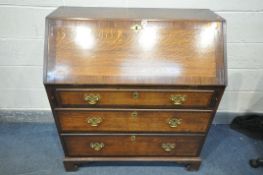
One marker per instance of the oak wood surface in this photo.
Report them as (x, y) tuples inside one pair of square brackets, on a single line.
[(112, 52), (117, 52), (123, 145), (125, 121), (149, 97), (86, 13)]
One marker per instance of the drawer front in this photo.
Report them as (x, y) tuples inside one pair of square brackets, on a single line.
[(135, 121), (107, 98), (132, 145)]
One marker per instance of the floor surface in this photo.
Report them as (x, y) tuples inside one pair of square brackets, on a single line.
[(34, 149)]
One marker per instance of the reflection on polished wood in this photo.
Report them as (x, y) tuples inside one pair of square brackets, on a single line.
[(134, 84), (99, 51)]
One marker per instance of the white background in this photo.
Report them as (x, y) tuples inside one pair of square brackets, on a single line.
[(22, 35)]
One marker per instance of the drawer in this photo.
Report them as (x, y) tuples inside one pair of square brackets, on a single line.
[(132, 145), (133, 121), (138, 98)]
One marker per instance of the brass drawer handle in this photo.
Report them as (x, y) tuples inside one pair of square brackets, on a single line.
[(92, 99), (168, 147), (178, 99), (174, 122), (94, 121), (96, 146)]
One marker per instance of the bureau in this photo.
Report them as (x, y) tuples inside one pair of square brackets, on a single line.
[(134, 84)]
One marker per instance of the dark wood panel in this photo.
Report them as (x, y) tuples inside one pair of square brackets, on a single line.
[(132, 121), (128, 159), (136, 97), (72, 163), (127, 145)]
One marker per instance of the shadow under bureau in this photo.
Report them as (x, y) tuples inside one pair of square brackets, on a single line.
[(134, 84)]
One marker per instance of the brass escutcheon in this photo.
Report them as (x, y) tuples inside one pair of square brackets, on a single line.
[(135, 95), (94, 121), (134, 114), (133, 138), (136, 27), (178, 99), (174, 122), (92, 99), (168, 147), (96, 145)]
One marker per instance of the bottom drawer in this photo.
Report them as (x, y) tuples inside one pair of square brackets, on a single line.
[(132, 145)]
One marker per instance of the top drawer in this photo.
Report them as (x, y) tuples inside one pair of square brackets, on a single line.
[(134, 98)]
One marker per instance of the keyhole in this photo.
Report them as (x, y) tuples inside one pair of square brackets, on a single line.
[(135, 95)]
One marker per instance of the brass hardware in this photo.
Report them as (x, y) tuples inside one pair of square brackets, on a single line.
[(134, 114), (133, 138), (168, 147), (92, 99), (174, 122), (96, 146), (136, 27), (135, 95), (94, 121), (178, 99)]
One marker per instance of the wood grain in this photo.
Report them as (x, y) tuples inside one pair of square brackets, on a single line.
[(116, 53), (111, 52), (147, 97), (122, 145), (124, 121)]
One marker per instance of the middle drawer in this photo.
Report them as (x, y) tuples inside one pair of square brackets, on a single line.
[(89, 120)]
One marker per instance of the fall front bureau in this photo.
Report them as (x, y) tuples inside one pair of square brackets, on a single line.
[(134, 84)]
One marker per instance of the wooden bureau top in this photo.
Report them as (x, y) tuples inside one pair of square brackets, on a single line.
[(111, 46), (133, 13)]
